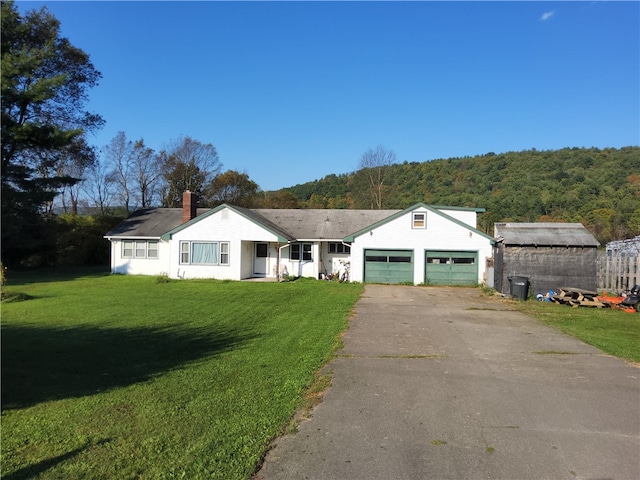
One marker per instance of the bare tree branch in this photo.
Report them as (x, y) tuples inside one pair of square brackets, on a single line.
[(375, 163)]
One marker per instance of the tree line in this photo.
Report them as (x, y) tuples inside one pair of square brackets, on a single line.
[(599, 188)]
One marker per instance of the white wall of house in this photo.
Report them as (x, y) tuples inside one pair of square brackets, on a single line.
[(301, 267), (468, 217), (332, 263), (247, 251), (224, 226), (132, 265), (439, 234)]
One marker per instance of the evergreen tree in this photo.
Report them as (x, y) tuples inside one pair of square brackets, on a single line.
[(44, 88)]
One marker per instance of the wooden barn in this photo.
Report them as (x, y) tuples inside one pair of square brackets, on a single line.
[(551, 255)]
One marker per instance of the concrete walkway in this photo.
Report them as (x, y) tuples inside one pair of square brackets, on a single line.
[(444, 383)]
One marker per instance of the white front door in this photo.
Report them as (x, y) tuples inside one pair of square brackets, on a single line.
[(260, 263)]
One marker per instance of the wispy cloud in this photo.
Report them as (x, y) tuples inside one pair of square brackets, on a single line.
[(547, 15)]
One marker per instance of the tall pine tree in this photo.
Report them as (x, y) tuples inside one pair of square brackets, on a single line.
[(44, 84)]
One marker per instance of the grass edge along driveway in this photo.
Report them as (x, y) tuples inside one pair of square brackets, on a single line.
[(138, 377), (613, 331)]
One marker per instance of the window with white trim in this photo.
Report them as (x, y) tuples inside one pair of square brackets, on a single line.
[(300, 251), (127, 249), (337, 247), (152, 249), (184, 252), (419, 220), (224, 253), (204, 253), (140, 249)]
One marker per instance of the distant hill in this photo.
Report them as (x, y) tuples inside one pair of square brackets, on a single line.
[(599, 188)]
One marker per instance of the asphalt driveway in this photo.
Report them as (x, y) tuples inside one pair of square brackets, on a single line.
[(444, 383)]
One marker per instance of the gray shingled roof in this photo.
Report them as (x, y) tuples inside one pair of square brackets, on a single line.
[(149, 222), (292, 224), (545, 234), (320, 224)]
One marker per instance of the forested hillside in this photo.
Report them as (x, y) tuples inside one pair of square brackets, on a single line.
[(599, 188)]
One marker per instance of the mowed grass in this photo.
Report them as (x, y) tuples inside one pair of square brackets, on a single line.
[(107, 377), (613, 331)]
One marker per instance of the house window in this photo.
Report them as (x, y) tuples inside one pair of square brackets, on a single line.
[(127, 249), (300, 248), (336, 247), (152, 249), (224, 253), (184, 252), (419, 220), (139, 249), (204, 253)]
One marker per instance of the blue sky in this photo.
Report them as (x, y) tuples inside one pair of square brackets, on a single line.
[(289, 92)]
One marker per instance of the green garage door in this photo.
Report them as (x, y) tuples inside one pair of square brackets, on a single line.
[(451, 268), (388, 266)]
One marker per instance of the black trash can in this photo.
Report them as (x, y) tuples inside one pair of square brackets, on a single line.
[(519, 287)]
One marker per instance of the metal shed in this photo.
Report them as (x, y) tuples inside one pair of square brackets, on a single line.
[(551, 255)]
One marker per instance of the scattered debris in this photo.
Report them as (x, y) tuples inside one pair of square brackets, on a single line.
[(577, 297), (628, 301)]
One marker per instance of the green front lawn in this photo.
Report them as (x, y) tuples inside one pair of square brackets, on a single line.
[(132, 377)]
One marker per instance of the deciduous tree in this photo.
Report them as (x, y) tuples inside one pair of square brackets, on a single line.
[(118, 155), (134, 168), (98, 187), (279, 199), (374, 166), (231, 187), (187, 164)]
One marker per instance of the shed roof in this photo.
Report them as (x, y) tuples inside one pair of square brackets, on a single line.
[(545, 234)]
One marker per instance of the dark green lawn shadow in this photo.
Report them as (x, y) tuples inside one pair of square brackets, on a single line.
[(25, 276), (32, 470), (44, 363)]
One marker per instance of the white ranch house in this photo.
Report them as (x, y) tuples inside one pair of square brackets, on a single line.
[(421, 244)]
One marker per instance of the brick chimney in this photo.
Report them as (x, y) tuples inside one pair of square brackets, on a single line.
[(189, 206)]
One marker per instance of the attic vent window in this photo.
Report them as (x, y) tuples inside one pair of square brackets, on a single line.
[(419, 220)]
